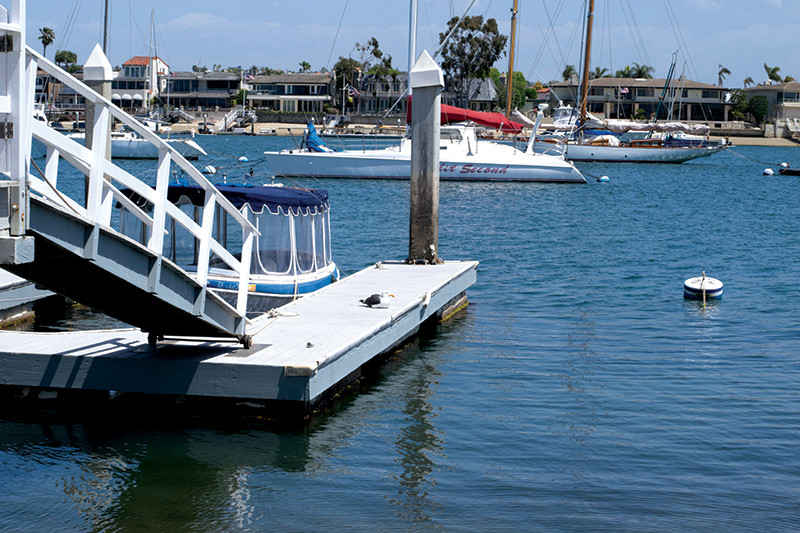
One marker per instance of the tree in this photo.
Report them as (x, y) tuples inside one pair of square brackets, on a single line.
[(471, 51), (568, 72), (758, 106), (47, 37), (626, 72), (305, 66), (598, 73), (721, 74), (518, 92), (65, 58), (787, 79), (642, 71), (739, 102), (773, 73), (748, 81)]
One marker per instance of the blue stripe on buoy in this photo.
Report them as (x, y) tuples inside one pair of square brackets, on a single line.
[(692, 288)]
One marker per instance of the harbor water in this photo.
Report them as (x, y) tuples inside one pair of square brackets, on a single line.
[(578, 392)]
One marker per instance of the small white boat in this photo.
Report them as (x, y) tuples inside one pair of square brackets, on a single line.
[(129, 145), (291, 258), (462, 157)]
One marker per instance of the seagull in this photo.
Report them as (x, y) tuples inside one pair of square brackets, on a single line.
[(378, 301)]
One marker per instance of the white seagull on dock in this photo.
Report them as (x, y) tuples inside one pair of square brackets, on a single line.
[(378, 301)]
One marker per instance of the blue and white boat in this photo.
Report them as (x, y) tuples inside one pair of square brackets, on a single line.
[(291, 257)]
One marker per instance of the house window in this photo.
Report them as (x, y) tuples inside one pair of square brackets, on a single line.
[(710, 94), (371, 87), (396, 87), (644, 92), (384, 87)]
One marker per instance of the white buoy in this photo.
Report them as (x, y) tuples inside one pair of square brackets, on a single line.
[(208, 169), (702, 288), (769, 172), (243, 159), (603, 179)]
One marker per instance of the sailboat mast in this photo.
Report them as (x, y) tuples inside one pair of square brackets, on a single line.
[(510, 76), (412, 40), (586, 58), (105, 31)]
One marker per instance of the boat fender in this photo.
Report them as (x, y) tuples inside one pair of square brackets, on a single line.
[(768, 172)]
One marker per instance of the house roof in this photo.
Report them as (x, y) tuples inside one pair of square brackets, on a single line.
[(482, 90), (141, 61), (314, 77), (788, 86)]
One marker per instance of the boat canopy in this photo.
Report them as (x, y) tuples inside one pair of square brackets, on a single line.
[(257, 197), (457, 114), (314, 142), (621, 126)]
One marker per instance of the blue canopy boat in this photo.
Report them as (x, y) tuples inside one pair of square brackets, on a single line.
[(291, 258)]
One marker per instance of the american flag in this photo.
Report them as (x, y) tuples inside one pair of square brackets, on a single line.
[(624, 90), (352, 91), (250, 77)]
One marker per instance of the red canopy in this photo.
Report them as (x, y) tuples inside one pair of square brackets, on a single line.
[(457, 114)]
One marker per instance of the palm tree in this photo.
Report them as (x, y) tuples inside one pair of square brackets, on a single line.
[(772, 73), (748, 81), (47, 37), (643, 71), (787, 79), (723, 71), (626, 72), (65, 57), (305, 66), (569, 72), (598, 73)]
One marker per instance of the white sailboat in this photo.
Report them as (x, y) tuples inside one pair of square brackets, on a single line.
[(676, 143)]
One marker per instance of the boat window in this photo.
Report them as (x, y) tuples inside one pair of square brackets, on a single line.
[(319, 239), (304, 242), (450, 134), (274, 245)]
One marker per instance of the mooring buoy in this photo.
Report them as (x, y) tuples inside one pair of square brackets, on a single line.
[(702, 288), (768, 172), (603, 179)]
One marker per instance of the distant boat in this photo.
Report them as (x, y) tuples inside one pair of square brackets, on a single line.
[(787, 170), (129, 145), (463, 157)]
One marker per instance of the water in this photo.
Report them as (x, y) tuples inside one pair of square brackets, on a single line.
[(578, 392)]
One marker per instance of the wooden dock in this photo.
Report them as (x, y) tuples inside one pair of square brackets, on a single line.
[(305, 350)]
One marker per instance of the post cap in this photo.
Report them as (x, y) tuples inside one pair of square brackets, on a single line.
[(97, 67), (425, 73)]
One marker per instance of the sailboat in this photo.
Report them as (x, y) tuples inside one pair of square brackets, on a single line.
[(679, 142)]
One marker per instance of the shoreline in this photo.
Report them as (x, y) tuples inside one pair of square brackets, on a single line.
[(286, 129)]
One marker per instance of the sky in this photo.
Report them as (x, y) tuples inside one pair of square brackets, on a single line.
[(740, 35)]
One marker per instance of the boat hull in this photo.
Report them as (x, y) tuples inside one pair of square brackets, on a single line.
[(396, 165), (628, 154)]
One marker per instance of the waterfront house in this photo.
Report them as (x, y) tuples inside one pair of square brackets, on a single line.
[(627, 97), (202, 90), (291, 93), (141, 79), (784, 107)]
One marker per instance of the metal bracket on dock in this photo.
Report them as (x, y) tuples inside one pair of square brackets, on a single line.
[(6, 130)]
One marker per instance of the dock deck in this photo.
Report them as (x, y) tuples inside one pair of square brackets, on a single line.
[(305, 350)]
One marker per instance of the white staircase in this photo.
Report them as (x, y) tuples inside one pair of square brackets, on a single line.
[(72, 244)]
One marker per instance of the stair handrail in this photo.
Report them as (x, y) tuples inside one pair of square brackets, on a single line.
[(102, 193)]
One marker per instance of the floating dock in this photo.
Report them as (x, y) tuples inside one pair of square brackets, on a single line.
[(300, 353)]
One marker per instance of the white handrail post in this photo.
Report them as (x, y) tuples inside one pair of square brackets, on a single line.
[(204, 250), (244, 273), (18, 96)]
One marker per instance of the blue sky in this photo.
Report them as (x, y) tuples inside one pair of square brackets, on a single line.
[(741, 35)]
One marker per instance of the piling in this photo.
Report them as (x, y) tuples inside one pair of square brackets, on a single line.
[(426, 82)]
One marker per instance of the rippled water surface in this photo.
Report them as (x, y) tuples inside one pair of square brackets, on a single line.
[(578, 392)]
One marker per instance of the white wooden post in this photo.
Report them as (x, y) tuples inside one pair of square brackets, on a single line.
[(13, 104)]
